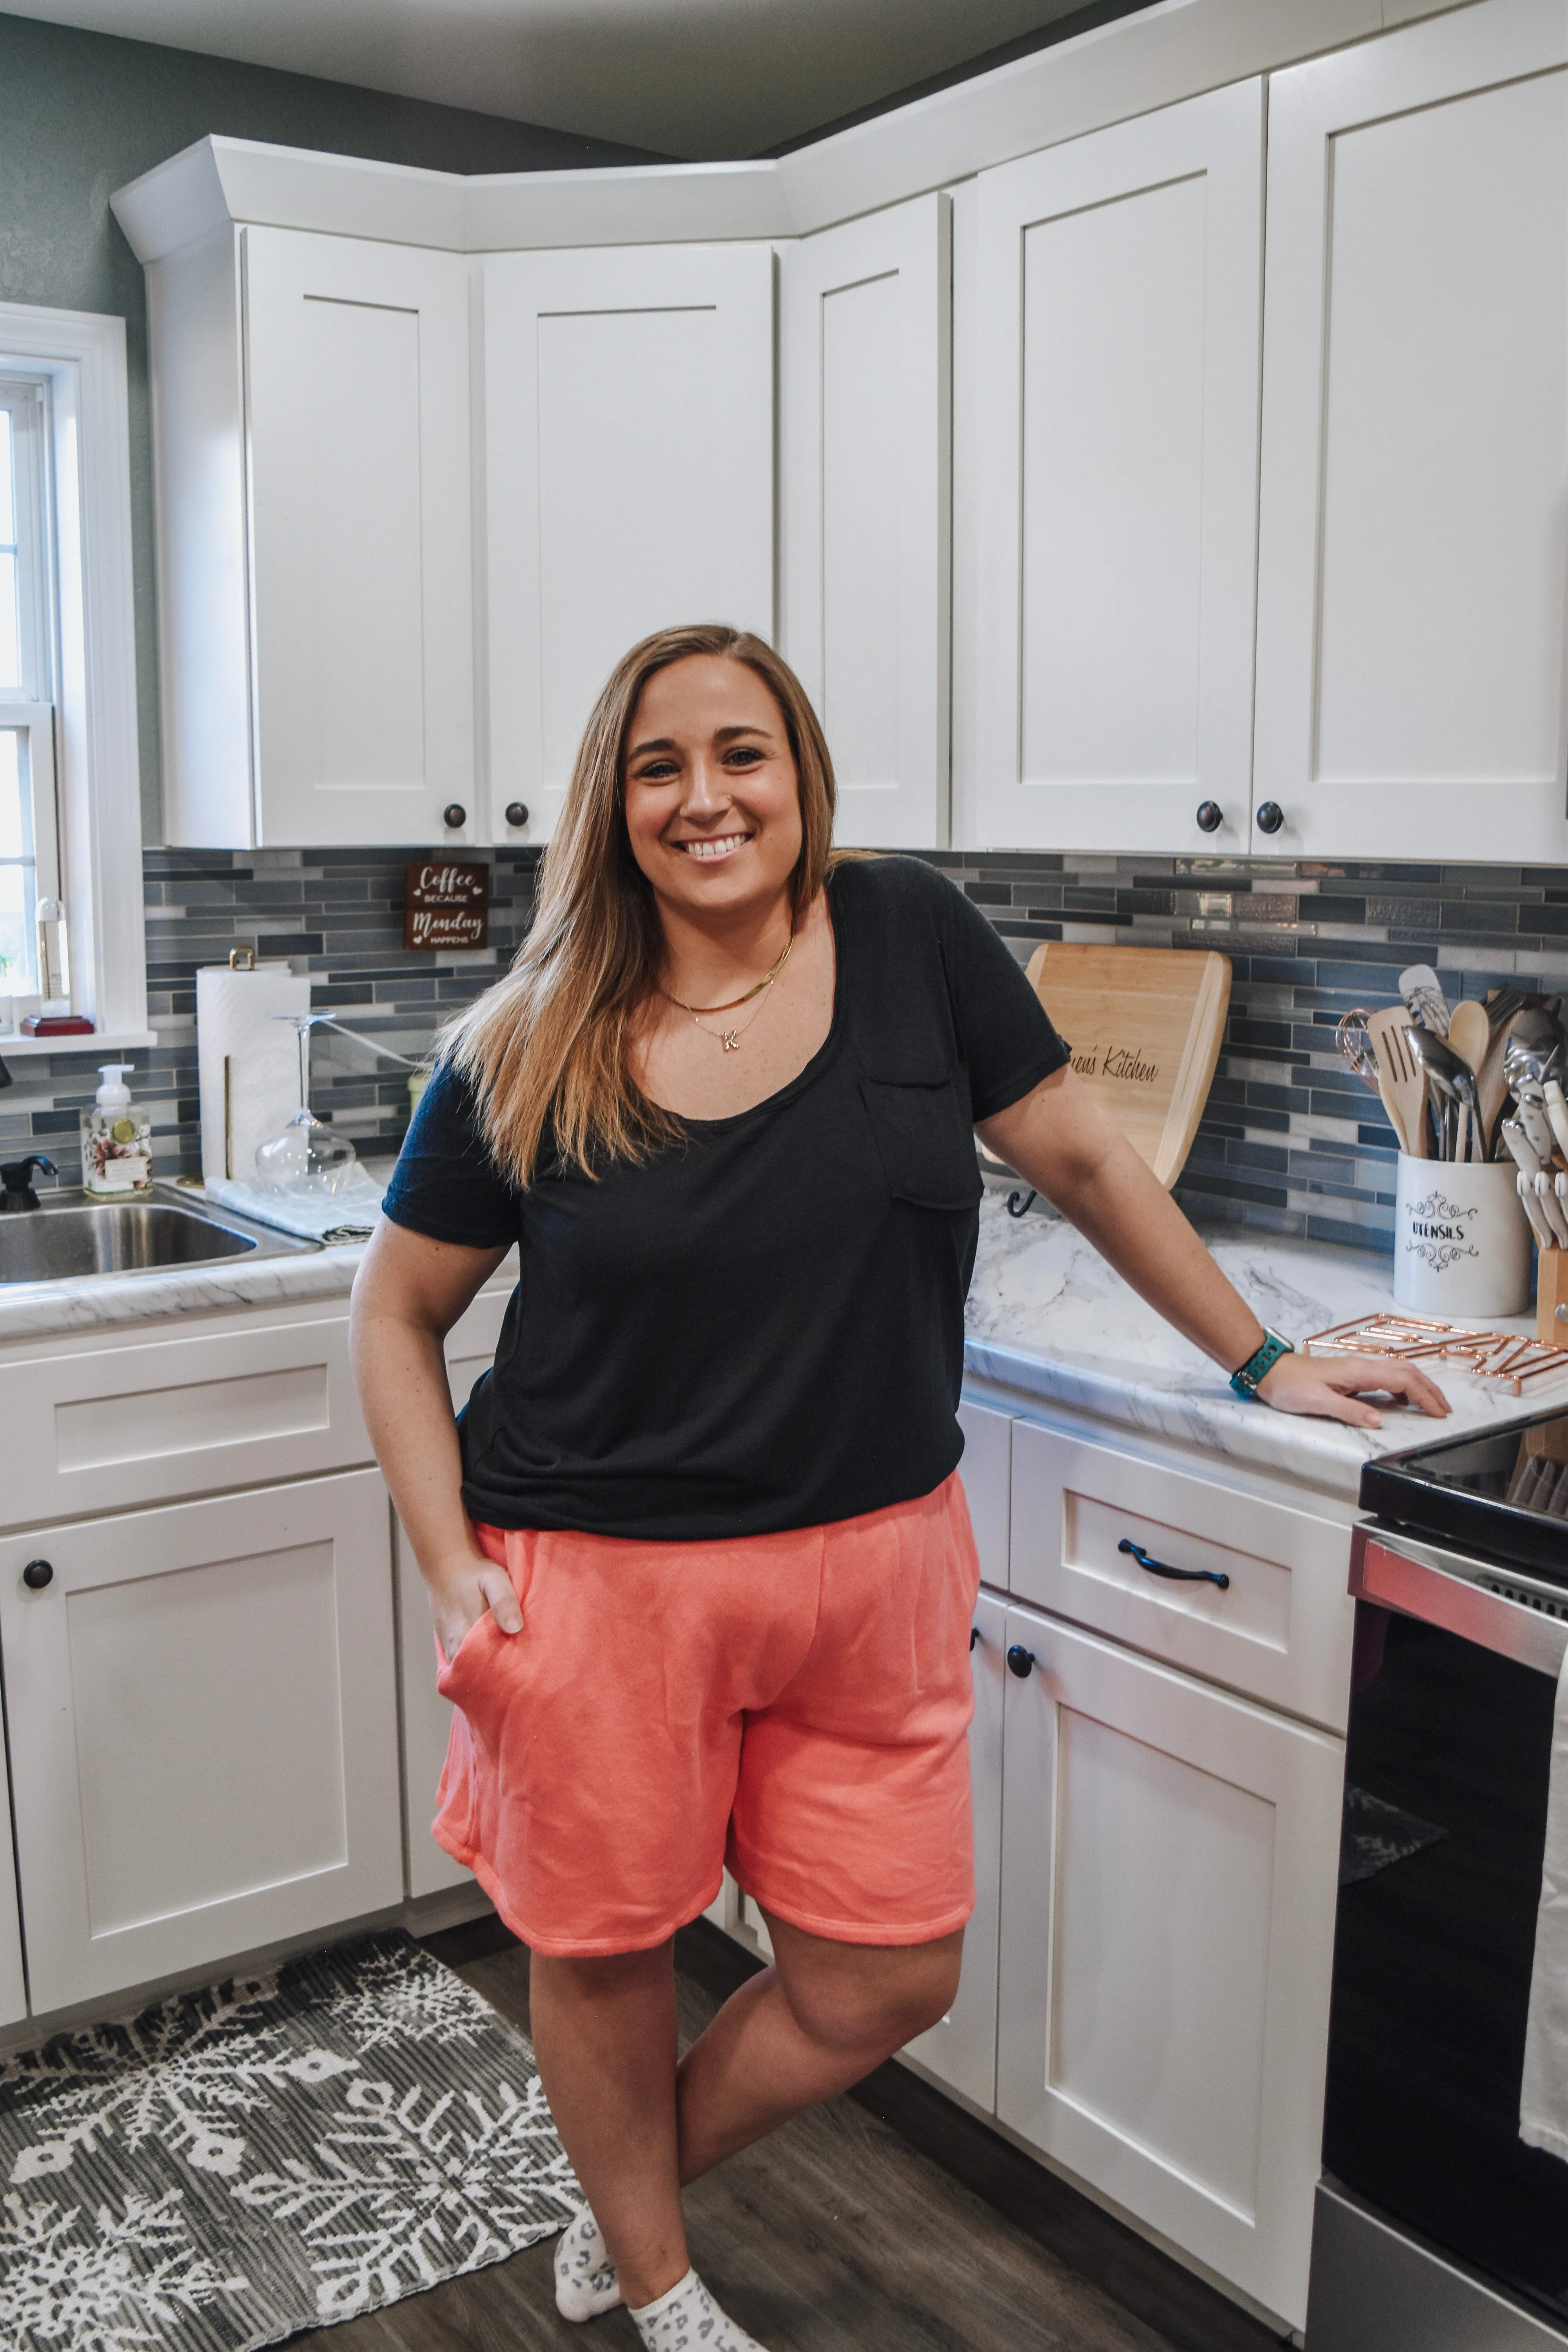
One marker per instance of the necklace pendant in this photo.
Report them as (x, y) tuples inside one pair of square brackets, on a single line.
[(729, 1041)]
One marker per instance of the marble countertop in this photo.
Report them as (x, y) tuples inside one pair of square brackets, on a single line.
[(1048, 1321)]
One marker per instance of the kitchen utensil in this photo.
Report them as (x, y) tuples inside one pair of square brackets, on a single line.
[(1470, 1032), (1532, 1113), (1526, 1157), (1453, 1081), (1424, 998), (1556, 1214), (1537, 1215), (1406, 1082), (1350, 1036), (1556, 1108), (1145, 1025)]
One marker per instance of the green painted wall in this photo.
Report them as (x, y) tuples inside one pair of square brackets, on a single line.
[(81, 113)]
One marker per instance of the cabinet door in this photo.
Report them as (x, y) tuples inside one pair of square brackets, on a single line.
[(13, 1981), (1169, 1857), (1118, 322), (427, 1716), (864, 371), (203, 1719), (961, 2051), (628, 480), (357, 400), (1278, 1629), (987, 1473), (1414, 528)]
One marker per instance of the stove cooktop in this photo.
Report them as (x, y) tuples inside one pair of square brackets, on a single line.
[(1501, 1495)]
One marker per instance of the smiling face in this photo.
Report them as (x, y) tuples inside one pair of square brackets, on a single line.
[(713, 798)]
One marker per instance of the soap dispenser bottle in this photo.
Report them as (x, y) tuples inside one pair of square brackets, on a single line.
[(116, 1140)]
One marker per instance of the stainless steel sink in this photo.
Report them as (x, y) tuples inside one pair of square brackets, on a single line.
[(68, 1237)]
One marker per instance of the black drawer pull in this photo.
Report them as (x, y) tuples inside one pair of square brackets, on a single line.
[(36, 1574), (976, 1637), (1020, 1662), (1177, 1575)]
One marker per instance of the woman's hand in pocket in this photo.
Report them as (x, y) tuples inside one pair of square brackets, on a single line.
[(461, 1595)]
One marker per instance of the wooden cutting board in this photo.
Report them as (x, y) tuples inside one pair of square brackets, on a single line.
[(1144, 1025)]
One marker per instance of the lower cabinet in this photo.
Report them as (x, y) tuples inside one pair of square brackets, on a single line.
[(962, 2050), (1169, 1856), (203, 1721), (426, 1724)]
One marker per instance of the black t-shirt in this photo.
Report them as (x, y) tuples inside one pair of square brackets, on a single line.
[(763, 1325)]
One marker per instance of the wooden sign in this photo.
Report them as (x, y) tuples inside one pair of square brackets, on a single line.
[(1144, 1025), (445, 906)]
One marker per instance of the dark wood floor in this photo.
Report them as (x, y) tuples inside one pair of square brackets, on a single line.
[(889, 2221)]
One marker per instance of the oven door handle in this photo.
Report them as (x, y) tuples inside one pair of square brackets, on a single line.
[(1383, 1570)]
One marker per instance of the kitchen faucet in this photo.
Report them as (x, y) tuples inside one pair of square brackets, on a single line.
[(16, 1192)]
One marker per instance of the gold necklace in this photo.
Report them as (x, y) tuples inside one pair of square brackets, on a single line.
[(728, 1040)]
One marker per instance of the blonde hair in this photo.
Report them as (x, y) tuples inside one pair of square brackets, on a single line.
[(547, 1049)]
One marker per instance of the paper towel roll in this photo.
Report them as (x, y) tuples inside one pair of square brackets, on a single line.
[(248, 1064)]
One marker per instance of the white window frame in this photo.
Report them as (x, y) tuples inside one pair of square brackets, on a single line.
[(81, 355)]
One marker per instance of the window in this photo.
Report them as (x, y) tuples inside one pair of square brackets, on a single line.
[(71, 820), (29, 841)]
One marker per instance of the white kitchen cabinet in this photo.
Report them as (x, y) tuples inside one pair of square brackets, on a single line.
[(427, 1716), (1278, 1630), (1414, 527), (311, 426), (961, 2049), (987, 1471), (628, 480), (12, 1977), (1117, 335), (865, 361), (1170, 1856), (201, 1703), (101, 1429)]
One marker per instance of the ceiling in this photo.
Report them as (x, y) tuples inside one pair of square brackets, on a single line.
[(691, 78)]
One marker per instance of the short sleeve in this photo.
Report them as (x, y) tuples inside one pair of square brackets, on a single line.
[(1003, 1030), (446, 1184)]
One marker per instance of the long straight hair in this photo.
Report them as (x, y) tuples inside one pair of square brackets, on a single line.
[(547, 1050)]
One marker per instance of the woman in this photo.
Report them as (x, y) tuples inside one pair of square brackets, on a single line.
[(699, 1561)]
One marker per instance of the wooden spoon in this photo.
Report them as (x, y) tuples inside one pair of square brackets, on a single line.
[(1401, 1084), (1470, 1032)]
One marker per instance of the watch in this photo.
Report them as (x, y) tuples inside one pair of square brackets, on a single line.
[(1246, 1378)]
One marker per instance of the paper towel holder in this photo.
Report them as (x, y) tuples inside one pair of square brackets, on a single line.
[(242, 958)]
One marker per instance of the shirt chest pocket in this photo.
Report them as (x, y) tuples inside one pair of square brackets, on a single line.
[(926, 1140)]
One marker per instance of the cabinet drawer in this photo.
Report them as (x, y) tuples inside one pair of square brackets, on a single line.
[(124, 1426), (1279, 1630)]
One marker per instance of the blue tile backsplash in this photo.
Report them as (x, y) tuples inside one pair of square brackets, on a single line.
[(1291, 1141)]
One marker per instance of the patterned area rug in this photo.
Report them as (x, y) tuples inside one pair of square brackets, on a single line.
[(274, 2153)]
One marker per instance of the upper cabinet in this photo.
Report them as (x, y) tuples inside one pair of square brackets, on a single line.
[(1117, 321), (628, 482), (1411, 688), (864, 511), (311, 440)]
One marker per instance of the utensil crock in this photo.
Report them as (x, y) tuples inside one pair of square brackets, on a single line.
[(1462, 1242)]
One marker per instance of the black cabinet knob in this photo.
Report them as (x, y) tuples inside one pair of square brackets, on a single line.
[(1020, 1662), (36, 1574), (974, 1636), (1270, 817), (516, 812), (454, 814), (1211, 816)]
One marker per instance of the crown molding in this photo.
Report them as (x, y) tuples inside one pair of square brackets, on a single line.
[(1174, 51)]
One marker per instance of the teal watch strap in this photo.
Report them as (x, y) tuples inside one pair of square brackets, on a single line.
[(1245, 1381)]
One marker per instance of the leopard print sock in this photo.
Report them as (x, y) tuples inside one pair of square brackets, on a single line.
[(586, 2282), (687, 2319)]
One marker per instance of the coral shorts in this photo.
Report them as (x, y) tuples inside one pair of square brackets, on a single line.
[(796, 1704)]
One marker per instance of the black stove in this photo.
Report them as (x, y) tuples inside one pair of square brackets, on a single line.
[(1501, 1494)]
